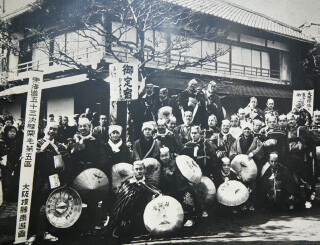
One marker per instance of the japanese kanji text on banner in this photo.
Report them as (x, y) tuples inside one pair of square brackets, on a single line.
[(28, 156), (306, 96), (124, 82)]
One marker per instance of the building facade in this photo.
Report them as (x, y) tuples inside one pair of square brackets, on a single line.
[(258, 56)]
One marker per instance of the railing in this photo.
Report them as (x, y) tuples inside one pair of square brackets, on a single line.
[(216, 67), (88, 55), (84, 55)]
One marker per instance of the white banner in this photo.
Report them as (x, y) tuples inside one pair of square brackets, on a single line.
[(123, 81), (28, 155), (307, 98)]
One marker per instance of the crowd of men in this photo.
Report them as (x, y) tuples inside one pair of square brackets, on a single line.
[(283, 148)]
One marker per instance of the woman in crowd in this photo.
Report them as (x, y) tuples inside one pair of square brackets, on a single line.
[(10, 162)]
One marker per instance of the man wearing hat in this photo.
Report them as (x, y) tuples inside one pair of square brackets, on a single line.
[(115, 149), (146, 146)]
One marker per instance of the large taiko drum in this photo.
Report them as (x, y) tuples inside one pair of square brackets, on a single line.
[(245, 168), (206, 190), (120, 173), (189, 168), (63, 207), (163, 216), (153, 169), (232, 193)]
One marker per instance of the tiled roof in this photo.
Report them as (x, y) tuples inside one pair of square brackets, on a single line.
[(232, 12)]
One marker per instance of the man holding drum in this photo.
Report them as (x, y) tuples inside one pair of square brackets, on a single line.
[(127, 215)]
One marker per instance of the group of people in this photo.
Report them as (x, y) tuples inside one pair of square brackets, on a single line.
[(283, 148)]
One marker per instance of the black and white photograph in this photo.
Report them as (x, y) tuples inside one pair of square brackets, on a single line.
[(159, 122)]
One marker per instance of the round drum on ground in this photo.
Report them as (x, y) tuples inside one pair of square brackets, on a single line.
[(163, 216)]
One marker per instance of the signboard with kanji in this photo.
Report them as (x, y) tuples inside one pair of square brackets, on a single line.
[(28, 156), (306, 96), (123, 81)]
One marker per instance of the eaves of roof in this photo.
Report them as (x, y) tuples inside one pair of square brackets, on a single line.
[(237, 14)]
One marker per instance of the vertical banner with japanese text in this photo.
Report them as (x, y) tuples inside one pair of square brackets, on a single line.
[(123, 82), (28, 156), (306, 96)]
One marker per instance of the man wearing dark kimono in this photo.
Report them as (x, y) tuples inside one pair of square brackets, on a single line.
[(277, 185), (134, 194)]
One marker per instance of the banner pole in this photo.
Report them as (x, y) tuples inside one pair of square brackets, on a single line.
[(28, 155)]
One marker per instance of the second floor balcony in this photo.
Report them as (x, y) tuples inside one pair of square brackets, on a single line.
[(92, 56)]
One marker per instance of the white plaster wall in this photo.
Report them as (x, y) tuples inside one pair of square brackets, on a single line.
[(60, 105)]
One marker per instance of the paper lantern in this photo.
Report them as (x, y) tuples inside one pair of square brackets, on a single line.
[(189, 168), (206, 190), (232, 193), (63, 207), (153, 169), (163, 216), (120, 172), (245, 168)]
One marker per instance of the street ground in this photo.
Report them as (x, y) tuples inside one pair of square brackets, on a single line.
[(259, 227)]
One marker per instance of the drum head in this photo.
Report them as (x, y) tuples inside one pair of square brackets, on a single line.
[(63, 207), (232, 193), (189, 168), (245, 168), (163, 216)]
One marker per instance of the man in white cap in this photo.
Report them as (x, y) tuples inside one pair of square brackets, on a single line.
[(146, 146), (116, 150), (48, 151)]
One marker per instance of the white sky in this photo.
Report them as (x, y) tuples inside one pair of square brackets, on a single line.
[(292, 12)]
